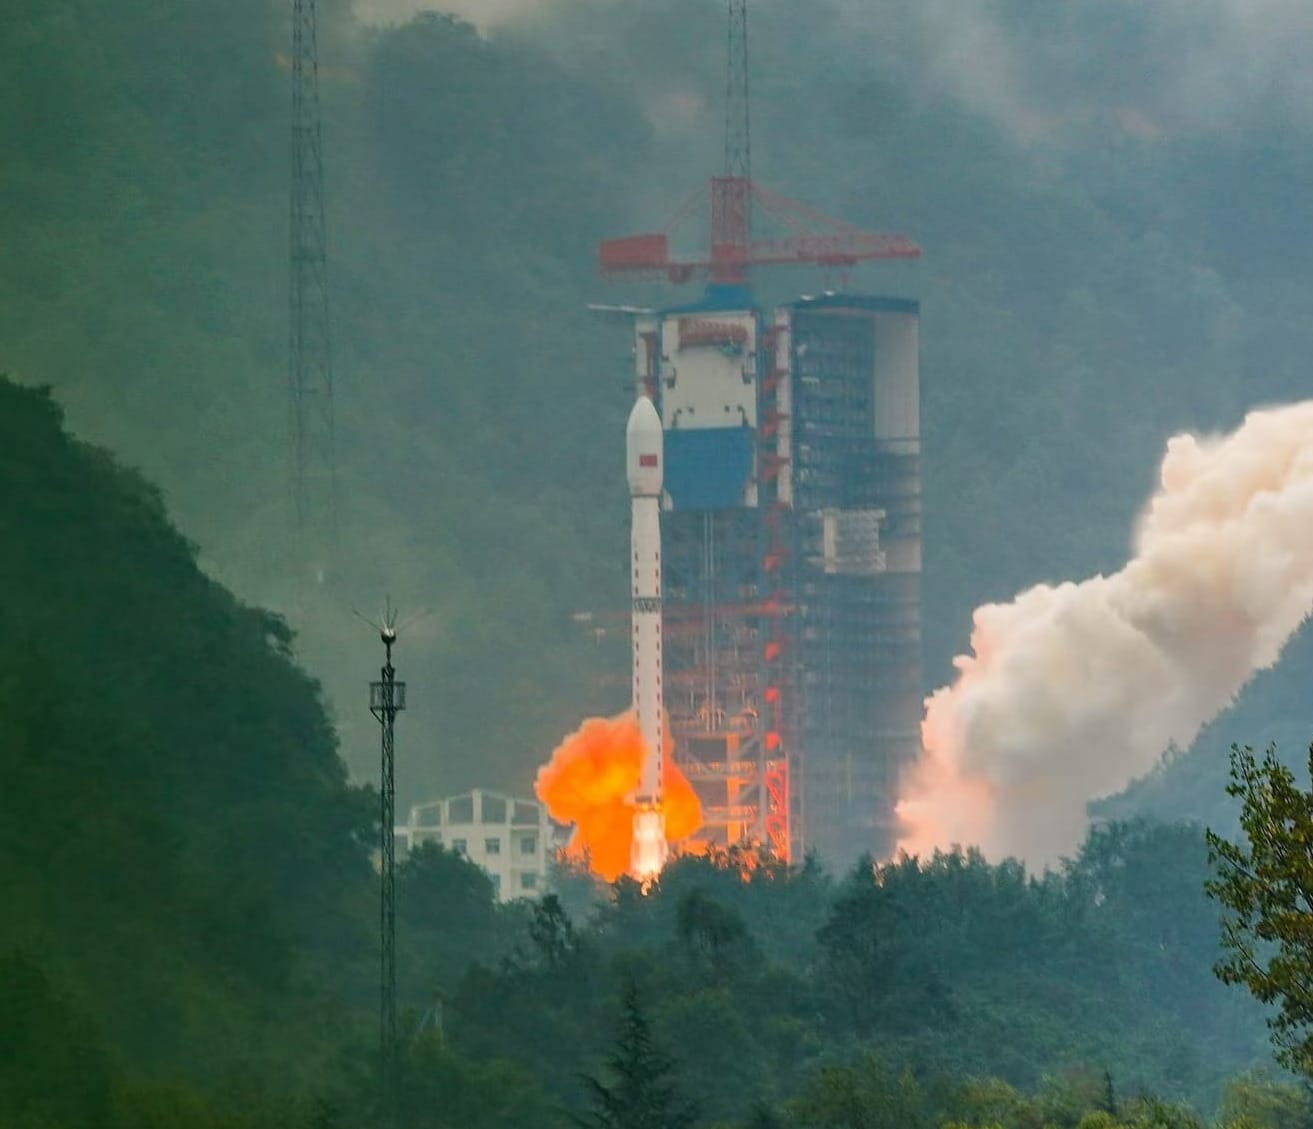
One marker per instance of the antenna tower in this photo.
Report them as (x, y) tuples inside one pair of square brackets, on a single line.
[(310, 369), (387, 698)]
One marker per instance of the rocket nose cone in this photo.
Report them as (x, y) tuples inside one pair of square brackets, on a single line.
[(644, 422), (643, 443)]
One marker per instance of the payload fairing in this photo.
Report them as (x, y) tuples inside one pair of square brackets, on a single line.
[(644, 459)]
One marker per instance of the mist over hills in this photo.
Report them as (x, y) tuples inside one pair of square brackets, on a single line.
[(1091, 284)]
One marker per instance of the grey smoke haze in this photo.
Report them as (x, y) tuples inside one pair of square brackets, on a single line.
[(1041, 70), (482, 13)]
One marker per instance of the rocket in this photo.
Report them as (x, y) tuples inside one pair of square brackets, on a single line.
[(644, 460)]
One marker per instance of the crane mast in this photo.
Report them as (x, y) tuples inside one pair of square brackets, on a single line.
[(731, 193), (807, 236)]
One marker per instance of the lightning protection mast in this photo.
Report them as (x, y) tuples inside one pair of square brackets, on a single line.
[(731, 194), (387, 698), (310, 369)]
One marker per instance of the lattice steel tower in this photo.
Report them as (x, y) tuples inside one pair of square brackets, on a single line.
[(731, 192), (387, 698), (310, 368)]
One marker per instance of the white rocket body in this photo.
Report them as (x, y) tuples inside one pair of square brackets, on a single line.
[(645, 460)]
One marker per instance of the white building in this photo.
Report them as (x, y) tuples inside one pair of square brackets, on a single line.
[(510, 838)]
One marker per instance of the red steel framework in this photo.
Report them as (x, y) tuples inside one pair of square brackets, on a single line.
[(783, 812), (729, 655), (809, 237)]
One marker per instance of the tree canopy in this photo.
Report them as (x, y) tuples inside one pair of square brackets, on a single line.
[(1264, 884)]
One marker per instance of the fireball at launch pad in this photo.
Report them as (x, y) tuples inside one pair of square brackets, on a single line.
[(614, 780), (591, 782)]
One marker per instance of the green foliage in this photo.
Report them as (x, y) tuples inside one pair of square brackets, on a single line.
[(1260, 1101), (177, 834), (865, 1096), (642, 1093), (552, 933), (53, 1069), (442, 1090), (716, 938), (447, 912), (1264, 885), (150, 1104)]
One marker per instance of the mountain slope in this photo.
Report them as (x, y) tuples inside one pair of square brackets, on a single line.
[(178, 841)]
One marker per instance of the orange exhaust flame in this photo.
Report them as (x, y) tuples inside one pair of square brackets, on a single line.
[(589, 782)]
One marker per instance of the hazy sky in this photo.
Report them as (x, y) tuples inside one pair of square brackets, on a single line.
[(1195, 64), (1201, 64), (482, 13)]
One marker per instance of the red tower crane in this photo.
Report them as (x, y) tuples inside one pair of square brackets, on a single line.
[(811, 236)]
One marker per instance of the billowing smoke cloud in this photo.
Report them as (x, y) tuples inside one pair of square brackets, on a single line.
[(1072, 691)]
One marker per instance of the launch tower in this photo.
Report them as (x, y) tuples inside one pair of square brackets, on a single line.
[(791, 518), (792, 561)]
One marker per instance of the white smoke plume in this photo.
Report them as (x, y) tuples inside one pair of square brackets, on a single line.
[(1072, 691)]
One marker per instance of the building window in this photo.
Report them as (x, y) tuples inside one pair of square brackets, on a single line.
[(528, 880), (528, 845), (496, 884), (458, 845), (492, 846)]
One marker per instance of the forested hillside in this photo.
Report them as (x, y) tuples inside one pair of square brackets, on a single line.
[(181, 856), (188, 938), (948, 970)]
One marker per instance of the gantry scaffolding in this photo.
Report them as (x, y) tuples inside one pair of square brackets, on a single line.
[(719, 678), (856, 482), (791, 549)]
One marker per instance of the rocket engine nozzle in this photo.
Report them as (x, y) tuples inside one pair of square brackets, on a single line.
[(649, 850)]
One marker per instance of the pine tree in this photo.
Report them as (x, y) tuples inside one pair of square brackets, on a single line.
[(643, 1095)]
